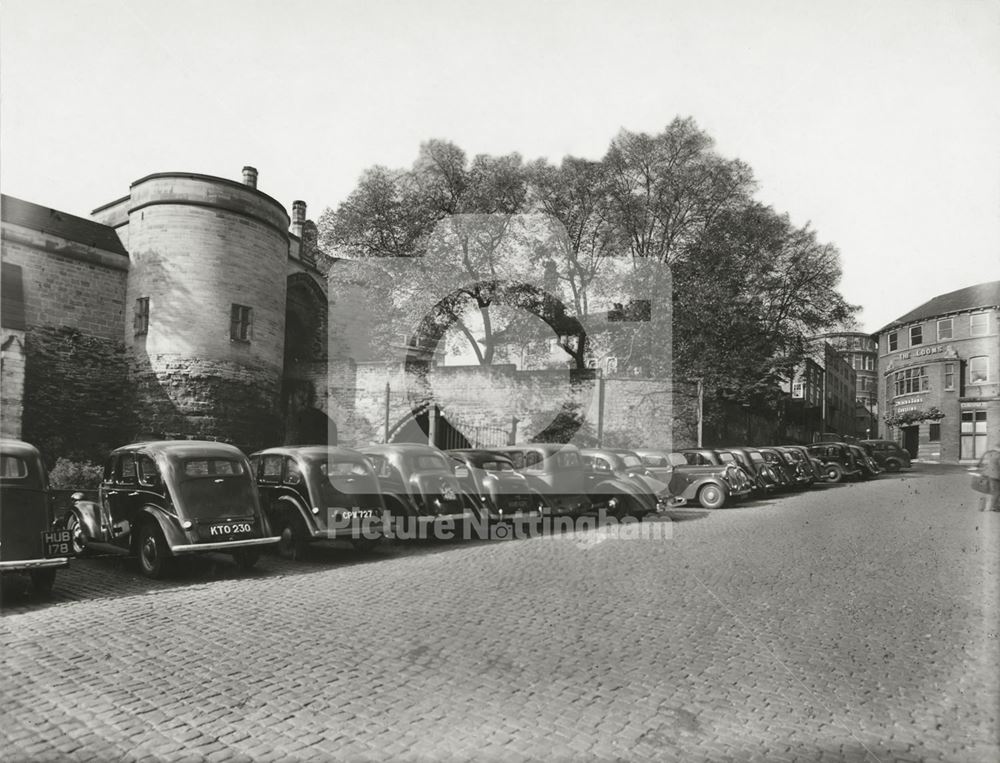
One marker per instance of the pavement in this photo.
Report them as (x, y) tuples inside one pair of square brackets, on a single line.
[(849, 622)]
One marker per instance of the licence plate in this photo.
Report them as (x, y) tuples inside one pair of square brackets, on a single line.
[(448, 493), (57, 543), (357, 514), (230, 528)]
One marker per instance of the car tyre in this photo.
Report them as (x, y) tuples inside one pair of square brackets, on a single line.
[(293, 537), (833, 473), (246, 558), (892, 465), (42, 581), (75, 528), (154, 557), (711, 497)]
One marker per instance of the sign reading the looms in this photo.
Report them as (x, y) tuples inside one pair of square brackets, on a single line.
[(922, 352)]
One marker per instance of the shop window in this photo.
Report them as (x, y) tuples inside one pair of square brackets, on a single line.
[(973, 437), (893, 341), (944, 329), (141, 320), (241, 323), (934, 433), (979, 369), (949, 376), (916, 335), (979, 324)]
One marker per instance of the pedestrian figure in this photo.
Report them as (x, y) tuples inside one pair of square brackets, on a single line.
[(989, 467)]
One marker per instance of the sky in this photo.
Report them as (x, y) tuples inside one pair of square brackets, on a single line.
[(874, 121)]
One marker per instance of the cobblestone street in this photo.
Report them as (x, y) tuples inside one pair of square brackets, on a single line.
[(853, 622)]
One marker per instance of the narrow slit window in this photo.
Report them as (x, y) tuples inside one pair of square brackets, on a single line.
[(241, 323)]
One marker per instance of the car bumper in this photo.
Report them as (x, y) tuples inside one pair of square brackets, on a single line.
[(196, 548), (16, 565)]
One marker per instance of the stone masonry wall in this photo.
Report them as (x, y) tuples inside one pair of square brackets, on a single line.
[(68, 284), (12, 383)]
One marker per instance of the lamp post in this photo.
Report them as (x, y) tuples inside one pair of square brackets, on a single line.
[(746, 408)]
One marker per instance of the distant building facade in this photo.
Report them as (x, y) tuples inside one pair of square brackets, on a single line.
[(860, 350), (938, 367)]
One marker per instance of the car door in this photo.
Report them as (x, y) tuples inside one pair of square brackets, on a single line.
[(119, 499)]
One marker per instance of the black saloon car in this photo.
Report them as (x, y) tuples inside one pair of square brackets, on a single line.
[(168, 498)]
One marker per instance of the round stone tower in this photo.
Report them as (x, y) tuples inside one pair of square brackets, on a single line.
[(205, 307)]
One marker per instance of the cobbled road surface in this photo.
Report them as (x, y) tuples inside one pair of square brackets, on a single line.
[(850, 622)]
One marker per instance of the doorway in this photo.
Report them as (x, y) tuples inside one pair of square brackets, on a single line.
[(911, 440)]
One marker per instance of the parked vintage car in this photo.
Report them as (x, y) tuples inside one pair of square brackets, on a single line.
[(168, 498), (556, 471), (889, 455), (28, 542), (617, 479), (838, 461), (781, 466), (869, 466), (418, 484), (315, 492), (503, 493), (799, 467), (811, 462), (753, 463), (710, 485)]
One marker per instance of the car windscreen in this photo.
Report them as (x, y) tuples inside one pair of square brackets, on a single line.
[(631, 460), (215, 487), (495, 466), (428, 462), (756, 457), (344, 476), (655, 461), (727, 458)]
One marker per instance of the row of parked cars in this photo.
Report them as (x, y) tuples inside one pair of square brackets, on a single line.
[(165, 499)]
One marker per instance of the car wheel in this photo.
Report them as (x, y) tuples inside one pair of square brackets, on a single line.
[(246, 558), (833, 473), (892, 465), (76, 535), (711, 497), (293, 537), (43, 580), (153, 553)]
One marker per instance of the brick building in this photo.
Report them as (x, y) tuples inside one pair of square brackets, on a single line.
[(860, 350), (938, 365)]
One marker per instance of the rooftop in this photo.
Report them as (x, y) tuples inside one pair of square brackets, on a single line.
[(970, 298), (70, 227)]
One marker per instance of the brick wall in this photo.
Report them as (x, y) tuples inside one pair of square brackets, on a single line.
[(12, 383)]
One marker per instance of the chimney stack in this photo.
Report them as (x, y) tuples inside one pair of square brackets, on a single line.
[(298, 217), (250, 176)]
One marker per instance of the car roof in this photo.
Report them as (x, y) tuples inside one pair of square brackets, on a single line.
[(181, 448), (478, 454), (547, 447), (18, 448), (402, 447), (308, 450)]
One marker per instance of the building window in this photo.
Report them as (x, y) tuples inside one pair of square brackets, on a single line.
[(944, 328), (893, 341), (979, 324), (979, 369), (949, 376), (797, 390), (916, 335), (241, 323), (869, 363), (612, 365), (911, 380), (973, 438), (934, 433), (141, 320)]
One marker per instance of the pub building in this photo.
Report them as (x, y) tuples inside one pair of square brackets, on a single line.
[(939, 368)]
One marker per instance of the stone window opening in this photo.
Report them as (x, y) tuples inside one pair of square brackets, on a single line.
[(241, 323), (141, 320), (979, 324), (911, 380), (979, 369), (916, 335), (949, 376), (944, 329), (893, 341), (934, 433)]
